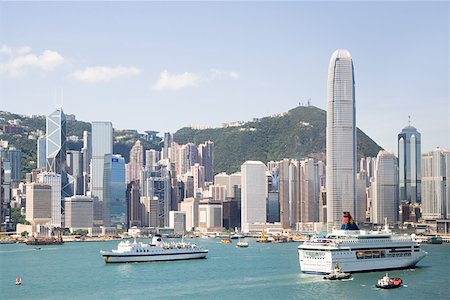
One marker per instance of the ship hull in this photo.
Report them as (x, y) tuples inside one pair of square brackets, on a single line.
[(325, 261), (111, 257)]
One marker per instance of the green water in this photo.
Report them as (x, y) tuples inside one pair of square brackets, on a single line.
[(262, 271)]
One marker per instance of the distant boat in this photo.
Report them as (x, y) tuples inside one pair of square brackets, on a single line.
[(225, 241), (44, 241), (263, 238), (435, 240), (18, 281), (389, 283), (242, 244)]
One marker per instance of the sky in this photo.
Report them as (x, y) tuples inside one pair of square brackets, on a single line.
[(165, 65)]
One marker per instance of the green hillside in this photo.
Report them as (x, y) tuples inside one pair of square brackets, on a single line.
[(298, 134)]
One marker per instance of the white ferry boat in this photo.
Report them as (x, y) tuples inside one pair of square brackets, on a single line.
[(358, 250), (156, 251)]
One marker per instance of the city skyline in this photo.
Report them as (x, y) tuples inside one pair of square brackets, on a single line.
[(203, 65)]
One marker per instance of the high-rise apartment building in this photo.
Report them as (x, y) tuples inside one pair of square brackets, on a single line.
[(409, 156), (340, 138), (436, 184), (151, 159), (198, 173), (102, 144), (309, 190), (253, 194), (385, 189)]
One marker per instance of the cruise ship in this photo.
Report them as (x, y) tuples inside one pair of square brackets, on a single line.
[(359, 250), (158, 250)]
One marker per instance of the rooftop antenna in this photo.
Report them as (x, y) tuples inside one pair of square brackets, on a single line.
[(62, 98), (54, 97), (409, 120)]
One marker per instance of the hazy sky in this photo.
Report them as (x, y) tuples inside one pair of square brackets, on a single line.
[(162, 66)]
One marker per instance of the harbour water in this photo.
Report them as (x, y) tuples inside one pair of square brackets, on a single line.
[(261, 271)]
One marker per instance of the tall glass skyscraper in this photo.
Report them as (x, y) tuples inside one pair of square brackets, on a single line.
[(340, 138), (56, 142), (114, 196), (409, 170), (102, 144)]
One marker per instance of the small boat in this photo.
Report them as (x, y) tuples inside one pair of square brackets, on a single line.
[(337, 274), (225, 241), (263, 238), (435, 240), (389, 283), (242, 244), (18, 281)]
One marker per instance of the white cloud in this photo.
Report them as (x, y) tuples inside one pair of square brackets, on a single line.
[(21, 58), (169, 81), (220, 73), (100, 73)]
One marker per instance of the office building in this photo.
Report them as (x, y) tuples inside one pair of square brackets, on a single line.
[(54, 180), (114, 196), (253, 194), (206, 152), (385, 202), (177, 221), (38, 207), (102, 144), (75, 170), (190, 207), (79, 212), (56, 142), (436, 184), (14, 157), (409, 156), (41, 152), (340, 138)]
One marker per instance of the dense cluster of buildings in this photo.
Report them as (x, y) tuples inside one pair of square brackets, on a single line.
[(176, 189)]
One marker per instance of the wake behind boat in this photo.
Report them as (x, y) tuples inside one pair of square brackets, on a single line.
[(158, 250)]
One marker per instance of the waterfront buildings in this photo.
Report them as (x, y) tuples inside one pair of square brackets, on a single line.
[(79, 212), (177, 221), (385, 189), (75, 170), (253, 194), (38, 207), (54, 180), (436, 184), (340, 138), (409, 168)]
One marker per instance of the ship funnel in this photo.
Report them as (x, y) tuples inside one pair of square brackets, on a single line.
[(156, 240), (348, 223)]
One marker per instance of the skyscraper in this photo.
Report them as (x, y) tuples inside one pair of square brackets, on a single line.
[(54, 180), (136, 162), (436, 184), (102, 144), (114, 196), (206, 151), (409, 154), (41, 152), (340, 138), (56, 141), (254, 193), (385, 189), (87, 155)]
